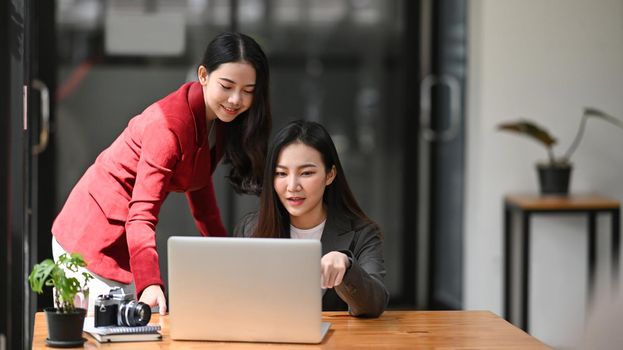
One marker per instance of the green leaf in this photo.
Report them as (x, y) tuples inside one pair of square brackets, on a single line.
[(40, 273), (52, 274), (530, 129), (594, 112)]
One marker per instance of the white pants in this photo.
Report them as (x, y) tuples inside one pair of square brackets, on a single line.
[(98, 285)]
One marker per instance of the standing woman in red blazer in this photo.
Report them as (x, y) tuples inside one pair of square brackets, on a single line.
[(175, 144)]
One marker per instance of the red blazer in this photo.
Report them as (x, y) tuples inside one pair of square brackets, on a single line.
[(111, 214)]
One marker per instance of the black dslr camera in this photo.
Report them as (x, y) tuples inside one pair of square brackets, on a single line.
[(119, 309)]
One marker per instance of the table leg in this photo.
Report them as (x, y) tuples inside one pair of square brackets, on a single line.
[(592, 252), (616, 241), (507, 264), (525, 270)]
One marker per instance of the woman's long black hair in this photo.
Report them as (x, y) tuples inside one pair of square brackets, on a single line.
[(273, 219), (247, 135)]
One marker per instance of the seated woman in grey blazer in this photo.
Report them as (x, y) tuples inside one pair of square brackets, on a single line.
[(305, 195)]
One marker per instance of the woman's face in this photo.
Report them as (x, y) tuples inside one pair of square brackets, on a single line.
[(300, 180), (228, 90)]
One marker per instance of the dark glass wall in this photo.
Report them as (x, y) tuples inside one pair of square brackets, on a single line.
[(336, 62), (13, 173)]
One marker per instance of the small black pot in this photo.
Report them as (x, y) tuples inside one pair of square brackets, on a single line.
[(554, 178), (65, 329)]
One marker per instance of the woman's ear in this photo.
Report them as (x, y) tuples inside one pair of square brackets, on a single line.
[(202, 75), (330, 176)]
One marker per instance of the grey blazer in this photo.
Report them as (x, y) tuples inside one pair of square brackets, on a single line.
[(362, 291)]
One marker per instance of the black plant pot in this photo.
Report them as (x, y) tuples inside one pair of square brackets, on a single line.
[(65, 329), (554, 178)]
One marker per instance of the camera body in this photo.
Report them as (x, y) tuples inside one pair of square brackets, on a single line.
[(119, 309)]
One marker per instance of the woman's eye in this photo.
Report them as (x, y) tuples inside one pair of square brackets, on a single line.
[(248, 92), (225, 87), (280, 174), (307, 173)]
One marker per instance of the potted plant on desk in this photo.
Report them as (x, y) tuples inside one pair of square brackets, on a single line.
[(65, 322), (554, 175)]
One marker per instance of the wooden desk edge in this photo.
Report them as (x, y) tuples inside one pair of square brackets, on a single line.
[(394, 329), (572, 202)]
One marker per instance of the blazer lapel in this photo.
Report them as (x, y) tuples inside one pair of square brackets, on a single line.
[(337, 234), (217, 151), (198, 110)]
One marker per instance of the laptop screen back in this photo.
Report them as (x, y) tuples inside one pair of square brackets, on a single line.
[(245, 289)]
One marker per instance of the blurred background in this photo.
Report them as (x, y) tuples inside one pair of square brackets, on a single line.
[(340, 63), (411, 92)]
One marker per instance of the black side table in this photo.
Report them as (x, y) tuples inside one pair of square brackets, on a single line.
[(526, 206)]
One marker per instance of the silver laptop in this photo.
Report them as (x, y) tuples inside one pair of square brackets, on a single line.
[(245, 289)]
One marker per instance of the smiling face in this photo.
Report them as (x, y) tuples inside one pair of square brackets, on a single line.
[(300, 180), (227, 90)]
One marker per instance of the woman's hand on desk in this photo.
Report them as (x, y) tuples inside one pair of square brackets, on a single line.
[(333, 266), (154, 296)]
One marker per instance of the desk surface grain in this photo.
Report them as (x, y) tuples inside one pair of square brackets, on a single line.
[(393, 330)]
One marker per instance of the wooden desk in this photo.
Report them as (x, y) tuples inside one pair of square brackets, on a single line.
[(526, 206), (393, 330)]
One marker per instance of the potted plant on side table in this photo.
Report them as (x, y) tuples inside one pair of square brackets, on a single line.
[(555, 174), (65, 322)]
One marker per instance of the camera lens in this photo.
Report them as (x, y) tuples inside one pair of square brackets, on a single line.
[(134, 313)]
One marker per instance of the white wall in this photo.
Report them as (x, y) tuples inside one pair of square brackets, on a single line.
[(542, 60)]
